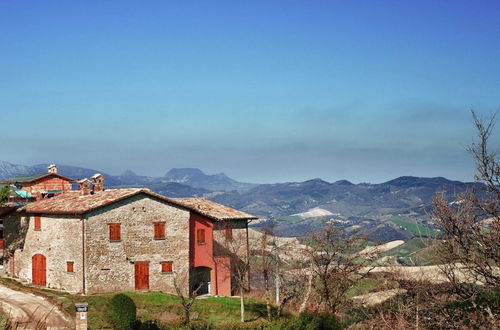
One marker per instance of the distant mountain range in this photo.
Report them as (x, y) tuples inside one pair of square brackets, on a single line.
[(178, 182), (402, 195), (342, 200)]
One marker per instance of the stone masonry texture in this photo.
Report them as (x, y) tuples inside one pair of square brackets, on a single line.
[(110, 265)]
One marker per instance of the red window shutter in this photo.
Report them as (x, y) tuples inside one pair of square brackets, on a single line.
[(69, 266), (166, 267), (114, 232), (159, 230), (229, 232), (201, 236), (38, 222)]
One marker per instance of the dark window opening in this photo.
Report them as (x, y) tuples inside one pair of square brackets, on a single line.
[(229, 233)]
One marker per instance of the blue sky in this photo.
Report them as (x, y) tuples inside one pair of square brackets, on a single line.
[(265, 91)]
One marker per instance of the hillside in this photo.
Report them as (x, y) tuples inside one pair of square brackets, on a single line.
[(402, 195), (393, 210), (196, 178)]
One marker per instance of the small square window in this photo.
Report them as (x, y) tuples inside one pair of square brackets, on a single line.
[(69, 266), (166, 266), (38, 222)]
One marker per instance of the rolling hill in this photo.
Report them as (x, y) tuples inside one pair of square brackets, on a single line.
[(393, 210)]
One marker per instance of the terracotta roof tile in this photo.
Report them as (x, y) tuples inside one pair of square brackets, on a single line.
[(73, 202), (212, 209), (33, 177)]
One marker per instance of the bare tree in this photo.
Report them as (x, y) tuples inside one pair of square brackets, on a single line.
[(293, 281), (235, 248), (186, 293), (470, 250), (267, 262), (335, 266), (279, 264)]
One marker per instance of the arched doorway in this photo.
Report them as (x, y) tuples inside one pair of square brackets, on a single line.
[(200, 280), (38, 269)]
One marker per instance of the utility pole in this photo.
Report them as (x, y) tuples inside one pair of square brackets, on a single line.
[(277, 273)]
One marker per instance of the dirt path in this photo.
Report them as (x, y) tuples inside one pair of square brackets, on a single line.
[(29, 310)]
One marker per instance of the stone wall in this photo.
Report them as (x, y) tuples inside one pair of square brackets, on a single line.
[(229, 253), (15, 229), (59, 240), (110, 265), (239, 233)]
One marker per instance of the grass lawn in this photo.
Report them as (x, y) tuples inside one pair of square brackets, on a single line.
[(167, 308), (413, 228)]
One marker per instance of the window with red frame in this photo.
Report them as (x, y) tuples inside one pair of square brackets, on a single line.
[(114, 232), (69, 266), (166, 266), (38, 222), (200, 236), (159, 228)]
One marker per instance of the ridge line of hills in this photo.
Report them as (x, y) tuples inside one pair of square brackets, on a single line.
[(364, 205)]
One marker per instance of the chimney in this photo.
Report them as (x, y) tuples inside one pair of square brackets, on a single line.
[(84, 186), (52, 168), (98, 179)]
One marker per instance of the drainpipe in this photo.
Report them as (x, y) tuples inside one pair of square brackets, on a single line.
[(248, 256), (83, 256)]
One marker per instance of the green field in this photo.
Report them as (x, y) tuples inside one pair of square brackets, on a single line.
[(418, 252), (367, 285), (290, 218), (413, 228)]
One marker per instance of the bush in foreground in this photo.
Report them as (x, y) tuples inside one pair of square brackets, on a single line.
[(122, 312)]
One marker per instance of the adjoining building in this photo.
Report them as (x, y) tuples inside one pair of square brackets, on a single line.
[(96, 240), (28, 187)]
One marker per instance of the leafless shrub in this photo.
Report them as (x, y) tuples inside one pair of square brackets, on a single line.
[(235, 248), (186, 293), (279, 271), (470, 250), (334, 267)]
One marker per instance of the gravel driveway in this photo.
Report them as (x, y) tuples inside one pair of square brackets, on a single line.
[(29, 310)]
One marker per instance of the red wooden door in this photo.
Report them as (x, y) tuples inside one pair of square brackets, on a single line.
[(38, 269), (142, 275)]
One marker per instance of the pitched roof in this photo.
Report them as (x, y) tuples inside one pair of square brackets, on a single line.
[(24, 177), (73, 202), (212, 209), (33, 177)]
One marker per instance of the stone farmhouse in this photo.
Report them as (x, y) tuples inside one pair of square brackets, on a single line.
[(96, 240)]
